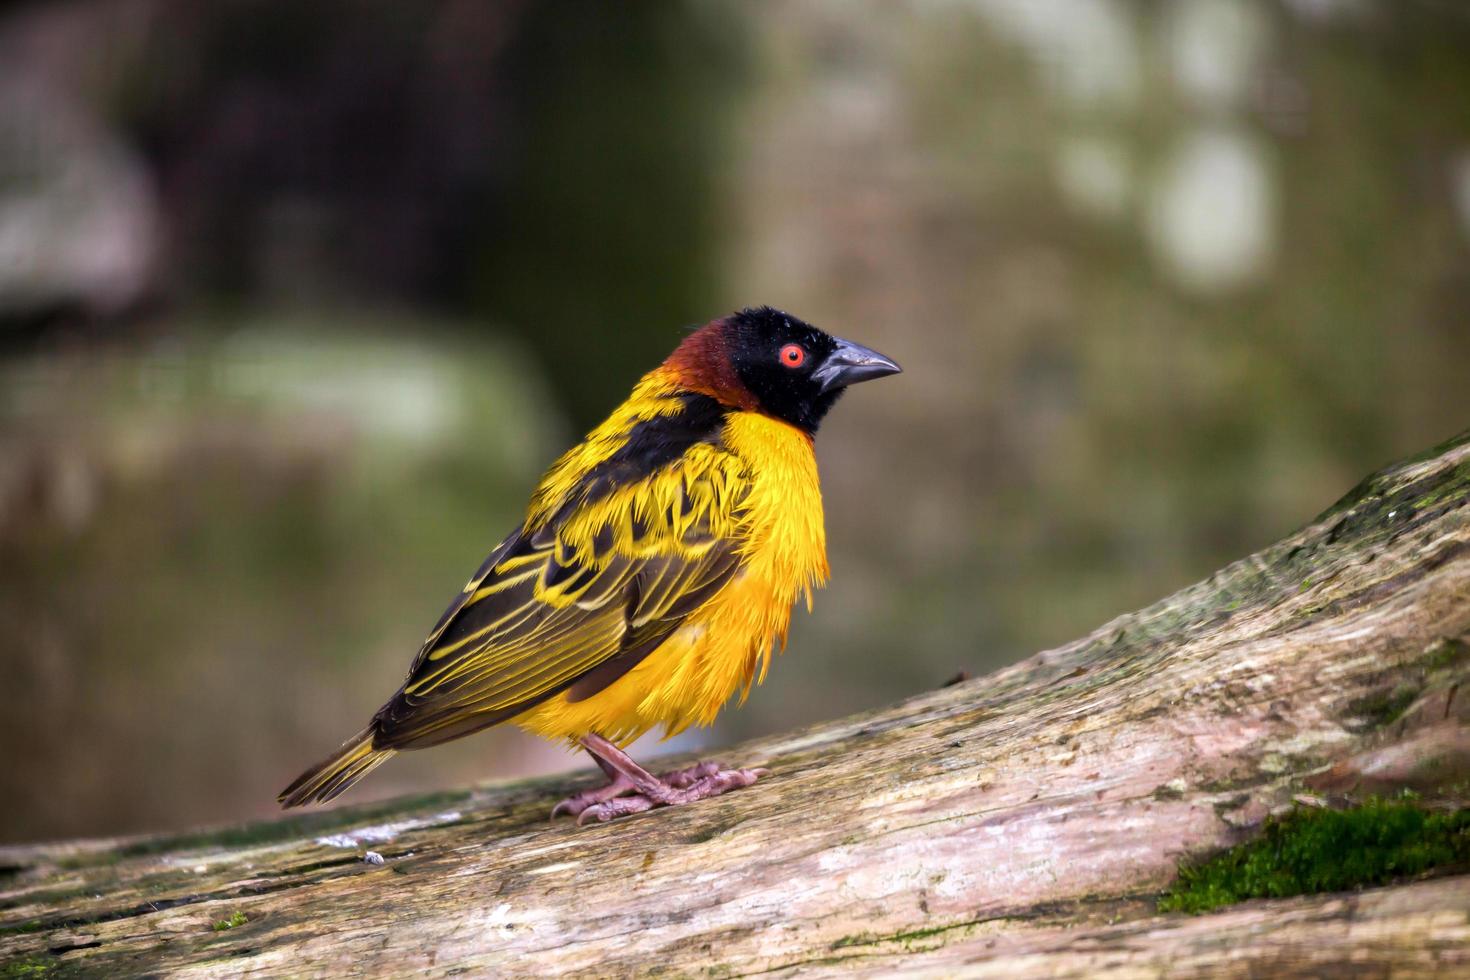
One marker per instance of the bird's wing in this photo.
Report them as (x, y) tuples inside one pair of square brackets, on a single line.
[(577, 602)]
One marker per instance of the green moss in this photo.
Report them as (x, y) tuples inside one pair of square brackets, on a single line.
[(910, 936), (906, 939), (235, 920), (1454, 486), (858, 939), (1444, 652), (25, 968), (1168, 791), (1311, 851)]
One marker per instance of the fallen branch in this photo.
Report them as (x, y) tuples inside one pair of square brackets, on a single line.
[(1021, 822)]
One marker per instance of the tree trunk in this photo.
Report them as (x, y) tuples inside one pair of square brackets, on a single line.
[(1021, 823)]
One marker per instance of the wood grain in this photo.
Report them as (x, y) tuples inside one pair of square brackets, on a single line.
[(1016, 824)]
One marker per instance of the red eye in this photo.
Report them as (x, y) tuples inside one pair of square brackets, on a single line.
[(793, 355)]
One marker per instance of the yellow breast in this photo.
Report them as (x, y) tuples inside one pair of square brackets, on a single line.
[(726, 646)]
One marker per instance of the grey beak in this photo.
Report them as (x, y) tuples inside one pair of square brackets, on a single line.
[(851, 363)]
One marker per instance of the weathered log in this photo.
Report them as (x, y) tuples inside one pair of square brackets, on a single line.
[(1019, 823)]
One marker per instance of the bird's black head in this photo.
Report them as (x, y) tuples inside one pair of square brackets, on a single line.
[(781, 366)]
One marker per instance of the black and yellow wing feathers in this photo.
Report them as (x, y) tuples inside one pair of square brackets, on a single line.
[(620, 554)]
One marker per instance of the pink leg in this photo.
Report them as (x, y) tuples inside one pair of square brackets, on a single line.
[(633, 789), (620, 785), (617, 785)]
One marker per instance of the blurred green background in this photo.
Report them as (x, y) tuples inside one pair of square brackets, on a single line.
[(297, 300)]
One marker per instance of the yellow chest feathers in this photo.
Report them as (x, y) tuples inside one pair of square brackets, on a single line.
[(786, 540), (725, 646)]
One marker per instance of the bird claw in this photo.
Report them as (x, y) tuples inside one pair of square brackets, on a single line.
[(603, 812), (684, 778), (674, 789), (567, 806), (578, 803), (633, 789)]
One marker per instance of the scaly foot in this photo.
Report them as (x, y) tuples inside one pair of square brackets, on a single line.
[(667, 795), (633, 789), (620, 785)]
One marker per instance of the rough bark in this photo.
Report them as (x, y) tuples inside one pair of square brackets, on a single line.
[(1020, 823)]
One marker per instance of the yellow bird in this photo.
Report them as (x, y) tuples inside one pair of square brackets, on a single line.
[(653, 574)]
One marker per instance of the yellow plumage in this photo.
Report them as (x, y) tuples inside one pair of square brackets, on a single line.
[(655, 570), (767, 497)]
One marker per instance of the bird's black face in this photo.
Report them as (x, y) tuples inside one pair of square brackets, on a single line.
[(795, 371)]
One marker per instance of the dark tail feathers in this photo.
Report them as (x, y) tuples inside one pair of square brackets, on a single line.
[(354, 760)]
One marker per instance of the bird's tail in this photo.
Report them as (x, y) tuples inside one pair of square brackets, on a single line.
[(324, 781)]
